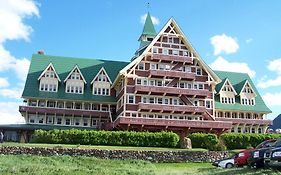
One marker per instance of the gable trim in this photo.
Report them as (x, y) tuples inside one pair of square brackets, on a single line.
[(227, 80), (45, 70), (75, 67), (247, 82), (102, 69)]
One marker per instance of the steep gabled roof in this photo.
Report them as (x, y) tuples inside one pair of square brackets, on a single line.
[(53, 68), (101, 70), (186, 42), (238, 80), (88, 67), (74, 68)]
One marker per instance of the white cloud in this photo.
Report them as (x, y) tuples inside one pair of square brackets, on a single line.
[(222, 64), (4, 82), (249, 40), (9, 113), (224, 44), (155, 20), (272, 99), (11, 19), (274, 66), (12, 27), (11, 93)]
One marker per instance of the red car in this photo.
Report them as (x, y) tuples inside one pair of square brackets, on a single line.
[(242, 157)]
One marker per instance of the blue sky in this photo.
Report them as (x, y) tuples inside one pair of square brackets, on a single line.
[(243, 36)]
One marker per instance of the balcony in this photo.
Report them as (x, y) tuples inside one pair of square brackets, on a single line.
[(171, 90), (246, 121), (171, 108), (192, 124), (172, 73), (49, 110), (171, 58)]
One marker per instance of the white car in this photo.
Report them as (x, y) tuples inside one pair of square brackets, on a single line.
[(225, 163)]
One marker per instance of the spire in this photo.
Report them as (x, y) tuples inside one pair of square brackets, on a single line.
[(148, 32), (148, 28)]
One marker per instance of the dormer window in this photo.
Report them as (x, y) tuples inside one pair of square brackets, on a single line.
[(101, 83), (75, 81), (247, 95), (49, 79)]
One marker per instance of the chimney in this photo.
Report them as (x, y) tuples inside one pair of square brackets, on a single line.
[(40, 52)]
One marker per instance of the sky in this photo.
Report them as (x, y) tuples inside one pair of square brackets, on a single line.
[(233, 35)]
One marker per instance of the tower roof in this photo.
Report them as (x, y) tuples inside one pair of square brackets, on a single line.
[(148, 28)]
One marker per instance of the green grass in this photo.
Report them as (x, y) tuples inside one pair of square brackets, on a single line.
[(98, 147), (67, 165)]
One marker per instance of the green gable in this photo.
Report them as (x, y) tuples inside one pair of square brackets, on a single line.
[(63, 65), (238, 80)]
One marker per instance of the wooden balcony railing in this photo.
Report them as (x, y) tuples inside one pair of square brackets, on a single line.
[(171, 90), (171, 108), (171, 58), (172, 73), (246, 121), (49, 110), (172, 123)]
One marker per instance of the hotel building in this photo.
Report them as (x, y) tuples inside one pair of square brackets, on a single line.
[(165, 86)]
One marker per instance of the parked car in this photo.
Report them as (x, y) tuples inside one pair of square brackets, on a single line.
[(272, 157), (256, 158), (225, 163), (241, 158)]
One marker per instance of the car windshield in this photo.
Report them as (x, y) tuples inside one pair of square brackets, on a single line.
[(277, 143), (268, 144)]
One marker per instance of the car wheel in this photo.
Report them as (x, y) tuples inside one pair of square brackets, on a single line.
[(229, 165)]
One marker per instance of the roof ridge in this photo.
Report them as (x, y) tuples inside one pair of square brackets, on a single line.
[(70, 57)]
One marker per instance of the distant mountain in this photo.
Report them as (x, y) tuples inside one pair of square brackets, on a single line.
[(276, 123)]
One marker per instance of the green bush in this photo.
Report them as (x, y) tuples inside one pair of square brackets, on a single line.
[(203, 140), (118, 138), (243, 141)]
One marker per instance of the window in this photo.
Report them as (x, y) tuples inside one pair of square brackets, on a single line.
[(138, 81), (155, 50), (208, 104), (95, 122), (159, 100), (151, 100), (141, 66), (77, 121), (166, 101), (131, 99), (59, 120), (67, 121), (42, 87), (85, 122), (144, 99), (165, 51), (153, 66), (41, 119), (198, 71), (170, 40), (196, 103), (49, 119), (200, 86), (175, 52)]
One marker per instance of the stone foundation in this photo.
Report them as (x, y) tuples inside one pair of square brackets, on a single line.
[(153, 156)]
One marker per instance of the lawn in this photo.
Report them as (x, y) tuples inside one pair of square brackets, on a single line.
[(67, 165)]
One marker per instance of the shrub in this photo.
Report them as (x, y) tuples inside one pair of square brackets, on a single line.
[(118, 138), (203, 140), (243, 141)]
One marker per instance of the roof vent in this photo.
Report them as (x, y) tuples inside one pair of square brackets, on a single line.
[(40, 52)]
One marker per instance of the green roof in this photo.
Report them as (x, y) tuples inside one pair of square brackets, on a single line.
[(63, 65), (148, 28), (238, 80)]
